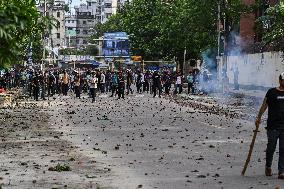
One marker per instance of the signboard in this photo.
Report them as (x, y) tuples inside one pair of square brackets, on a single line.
[(136, 58), (116, 44)]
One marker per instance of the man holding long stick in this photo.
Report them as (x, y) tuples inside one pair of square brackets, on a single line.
[(274, 101)]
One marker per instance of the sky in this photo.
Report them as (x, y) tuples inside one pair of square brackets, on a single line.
[(77, 2)]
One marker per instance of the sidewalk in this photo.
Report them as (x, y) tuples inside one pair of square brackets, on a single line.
[(250, 93)]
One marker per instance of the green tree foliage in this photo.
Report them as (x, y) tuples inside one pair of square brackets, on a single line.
[(20, 26), (89, 50), (271, 26), (164, 28)]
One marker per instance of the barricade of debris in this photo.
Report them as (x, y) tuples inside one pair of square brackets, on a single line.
[(10, 98)]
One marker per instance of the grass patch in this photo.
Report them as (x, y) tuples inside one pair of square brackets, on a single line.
[(60, 168)]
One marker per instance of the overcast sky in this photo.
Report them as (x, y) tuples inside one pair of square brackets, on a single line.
[(77, 2)]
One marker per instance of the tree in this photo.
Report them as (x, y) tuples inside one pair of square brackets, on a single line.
[(20, 26), (163, 29), (271, 26)]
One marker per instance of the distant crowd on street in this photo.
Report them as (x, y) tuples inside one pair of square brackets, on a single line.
[(42, 85)]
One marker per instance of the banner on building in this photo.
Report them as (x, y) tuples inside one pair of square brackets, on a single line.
[(116, 44)]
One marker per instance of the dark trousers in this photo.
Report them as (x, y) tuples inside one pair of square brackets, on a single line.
[(108, 86), (178, 88), (43, 92), (113, 90), (138, 86), (167, 88), (190, 88), (36, 92), (128, 87), (30, 88), (64, 89), (102, 87), (121, 91), (50, 90), (155, 87), (146, 86), (77, 91), (93, 94), (273, 135)]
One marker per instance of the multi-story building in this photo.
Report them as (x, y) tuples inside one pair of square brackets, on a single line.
[(109, 7), (70, 28), (56, 10), (247, 24), (85, 17)]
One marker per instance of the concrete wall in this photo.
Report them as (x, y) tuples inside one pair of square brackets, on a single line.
[(256, 70)]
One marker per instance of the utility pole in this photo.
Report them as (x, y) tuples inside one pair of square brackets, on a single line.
[(44, 40), (219, 27), (184, 56)]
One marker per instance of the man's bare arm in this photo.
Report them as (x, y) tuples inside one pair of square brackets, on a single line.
[(261, 111)]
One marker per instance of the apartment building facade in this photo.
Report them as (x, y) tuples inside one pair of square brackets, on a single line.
[(85, 15), (56, 10), (89, 14), (70, 30)]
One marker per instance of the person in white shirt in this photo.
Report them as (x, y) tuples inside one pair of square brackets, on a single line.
[(93, 82), (178, 85), (103, 81)]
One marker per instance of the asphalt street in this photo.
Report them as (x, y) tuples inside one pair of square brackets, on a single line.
[(145, 142)]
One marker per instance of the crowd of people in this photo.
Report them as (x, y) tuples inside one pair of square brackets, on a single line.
[(41, 85)]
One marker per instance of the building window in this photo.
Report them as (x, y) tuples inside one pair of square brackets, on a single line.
[(58, 35), (85, 32), (58, 14), (108, 15), (89, 4), (78, 31), (107, 5), (58, 24), (47, 13), (84, 22), (72, 21), (84, 42)]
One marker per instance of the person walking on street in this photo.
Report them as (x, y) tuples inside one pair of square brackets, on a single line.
[(274, 101), (93, 86), (103, 81), (178, 86), (167, 83), (138, 80), (36, 86), (190, 81), (129, 81), (121, 85), (42, 79), (108, 81), (65, 83), (114, 79), (157, 84), (77, 84), (51, 84)]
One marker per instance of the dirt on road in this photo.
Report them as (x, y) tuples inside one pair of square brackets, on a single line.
[(33, 155)]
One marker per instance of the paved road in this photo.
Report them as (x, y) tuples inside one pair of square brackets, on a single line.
[(146, 142)]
